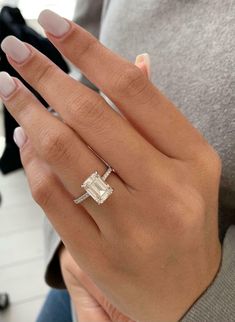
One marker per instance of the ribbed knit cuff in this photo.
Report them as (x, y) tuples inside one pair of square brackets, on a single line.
[(217, 303)]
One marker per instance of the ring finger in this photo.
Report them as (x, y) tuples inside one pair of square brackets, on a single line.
[(78, 231)]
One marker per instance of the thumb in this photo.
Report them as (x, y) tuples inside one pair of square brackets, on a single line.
[(87, 307)]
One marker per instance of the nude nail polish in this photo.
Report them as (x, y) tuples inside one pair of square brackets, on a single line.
[(7, 84), (144, 59), (19, 137), (15, 48), (53, 23)]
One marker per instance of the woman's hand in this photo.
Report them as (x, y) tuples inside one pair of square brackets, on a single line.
[(152, 247)]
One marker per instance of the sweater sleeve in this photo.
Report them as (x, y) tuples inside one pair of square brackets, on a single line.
[(217, 303), (88, 15)]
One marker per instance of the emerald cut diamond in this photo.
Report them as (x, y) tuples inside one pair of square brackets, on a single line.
[(97, 188)]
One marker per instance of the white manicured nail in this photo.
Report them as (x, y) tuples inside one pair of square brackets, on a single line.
[(53, 23), (7, 84), (19, 137), (15, 48)]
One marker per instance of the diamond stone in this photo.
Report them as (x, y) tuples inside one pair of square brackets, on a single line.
[(97, 188)]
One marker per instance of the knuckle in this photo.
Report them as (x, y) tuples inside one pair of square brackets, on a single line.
[(44, 73), (21, 103), (216, 160), (73, 101), (211, 161), (184, 215), (88, 46), (88, 112), (55, 145), (42, 190), (131, 83), (180, 211), (189, 214)]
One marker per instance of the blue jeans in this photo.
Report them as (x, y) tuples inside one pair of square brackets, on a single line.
[(56, 308)]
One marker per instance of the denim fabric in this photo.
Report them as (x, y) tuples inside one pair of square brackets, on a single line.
[(56, 308)]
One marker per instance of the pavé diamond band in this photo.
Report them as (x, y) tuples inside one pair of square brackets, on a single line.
[(96, 187)]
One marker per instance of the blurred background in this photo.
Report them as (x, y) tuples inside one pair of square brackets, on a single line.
[(21, 238), (31, 9)]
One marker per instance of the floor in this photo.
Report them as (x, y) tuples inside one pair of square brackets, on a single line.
[(21, 247)]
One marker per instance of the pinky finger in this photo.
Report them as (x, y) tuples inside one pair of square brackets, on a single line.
[(72, 222)]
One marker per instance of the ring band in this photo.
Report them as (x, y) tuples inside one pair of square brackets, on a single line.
[(96, 187)]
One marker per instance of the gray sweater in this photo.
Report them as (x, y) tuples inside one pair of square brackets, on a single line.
[(192, 47)]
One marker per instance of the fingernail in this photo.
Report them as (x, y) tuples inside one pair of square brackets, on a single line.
[(53, 23), (7, 84), (144, 58), (19, 137), (15, 48)]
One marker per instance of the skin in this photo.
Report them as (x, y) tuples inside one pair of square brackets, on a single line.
[(89, 302), (152, 248)]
